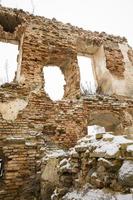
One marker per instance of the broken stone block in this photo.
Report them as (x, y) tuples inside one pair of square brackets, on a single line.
[(130, 149), (104, 162), (125, 175)]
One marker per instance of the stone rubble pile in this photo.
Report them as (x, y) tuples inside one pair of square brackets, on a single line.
[(101, 163)]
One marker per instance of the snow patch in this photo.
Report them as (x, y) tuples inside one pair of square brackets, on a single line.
[(130, 148), (108, 146), (56, 153), (126, 173), (96, 195)]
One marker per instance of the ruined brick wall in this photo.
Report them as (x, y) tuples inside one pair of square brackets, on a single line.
[(45, 42), (29, 120), (61, 123)]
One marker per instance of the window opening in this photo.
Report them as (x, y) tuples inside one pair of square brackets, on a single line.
[(8, 62), (87, 79), (54, 82)]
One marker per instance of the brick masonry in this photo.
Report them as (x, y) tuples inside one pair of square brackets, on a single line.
[(26, 131)]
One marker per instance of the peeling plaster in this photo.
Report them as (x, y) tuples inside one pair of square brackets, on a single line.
[(128, 73), (124, 49), (18, 77), (111, 84), (103, 76), (10, 110)]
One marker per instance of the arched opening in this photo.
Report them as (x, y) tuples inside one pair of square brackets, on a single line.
[(54, 82), (87, 78), (8, 62)]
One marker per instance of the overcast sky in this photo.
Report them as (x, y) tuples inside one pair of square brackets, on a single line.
[(111, 16)]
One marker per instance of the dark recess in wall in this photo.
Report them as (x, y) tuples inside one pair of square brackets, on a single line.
[(8, 22)]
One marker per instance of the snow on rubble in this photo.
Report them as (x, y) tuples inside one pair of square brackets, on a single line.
[(96, 195), (103, 145)]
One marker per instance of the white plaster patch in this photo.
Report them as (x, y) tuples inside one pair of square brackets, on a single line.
[(124, 49), (128, 73), (18, 77), (111, 84), (10, 110), (103, 76)]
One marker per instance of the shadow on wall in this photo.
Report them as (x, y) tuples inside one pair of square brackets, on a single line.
[(110, 121), (1, 163)]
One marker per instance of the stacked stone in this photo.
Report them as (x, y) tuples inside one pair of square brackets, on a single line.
[(104, 162)]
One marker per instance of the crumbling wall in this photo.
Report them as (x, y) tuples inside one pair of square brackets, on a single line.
[(30, 121), (49, 42)]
